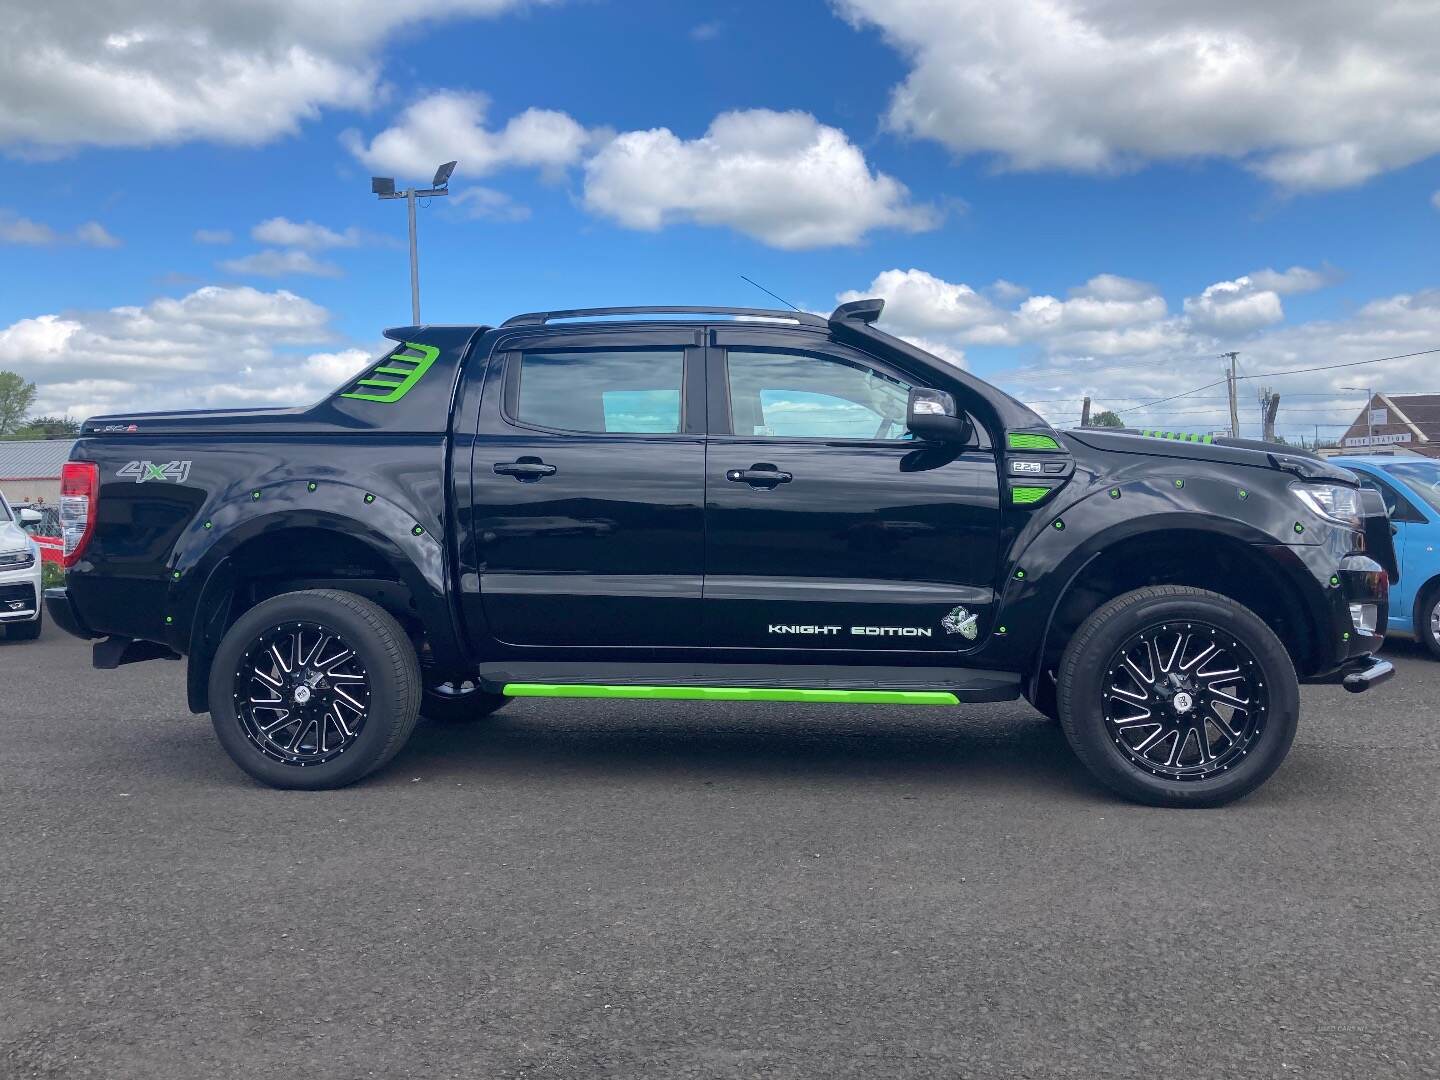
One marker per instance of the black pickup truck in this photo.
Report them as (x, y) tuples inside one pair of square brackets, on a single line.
[(717, 504)]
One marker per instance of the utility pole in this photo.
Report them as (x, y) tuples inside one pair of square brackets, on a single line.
[(1230, 385), (384, 187), (1085, 413)]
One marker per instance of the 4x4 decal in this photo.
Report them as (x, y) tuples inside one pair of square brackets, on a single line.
[(146, 472), (397, 374)]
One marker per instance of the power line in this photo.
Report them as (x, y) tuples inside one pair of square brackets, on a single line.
[(1277, 374)]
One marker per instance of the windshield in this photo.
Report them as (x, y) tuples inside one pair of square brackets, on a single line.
[(4, 510), (1422, 476)]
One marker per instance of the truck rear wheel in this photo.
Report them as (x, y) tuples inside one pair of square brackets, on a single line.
[(1174, 696), (314, 689)]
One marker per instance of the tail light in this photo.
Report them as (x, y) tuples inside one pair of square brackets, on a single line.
[(79, 495)]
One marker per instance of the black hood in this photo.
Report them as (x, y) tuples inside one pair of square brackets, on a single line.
[(1246, 452)]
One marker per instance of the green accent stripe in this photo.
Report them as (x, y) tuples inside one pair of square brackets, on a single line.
[(731, 693), (1018, 440), (1179, 436), (1024, 496)]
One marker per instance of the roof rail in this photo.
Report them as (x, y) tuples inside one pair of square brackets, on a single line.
[(540, 318)]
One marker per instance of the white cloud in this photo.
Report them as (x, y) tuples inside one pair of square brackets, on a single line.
[(1115, 340), (147, 72), (214, 236), (707, 31), (1312, 96), (1234, 307), (784, 178), (919, 303), (1435, 200), (180, 352), (451, 125), (15, 229), (273, 263), (93, 234), (282, 232), (487, 204), (1298, 279)]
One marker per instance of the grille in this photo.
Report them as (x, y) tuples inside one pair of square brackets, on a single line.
[(24, 595)]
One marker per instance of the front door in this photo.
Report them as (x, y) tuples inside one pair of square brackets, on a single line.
[(829, 527), (588, 485)]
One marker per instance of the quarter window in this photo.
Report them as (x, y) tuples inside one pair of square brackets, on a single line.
[(799, 396), (634, 391)]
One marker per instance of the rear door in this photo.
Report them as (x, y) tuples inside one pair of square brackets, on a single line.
[(587, 485), (829, 527)]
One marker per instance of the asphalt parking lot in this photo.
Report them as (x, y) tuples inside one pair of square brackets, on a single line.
[(627, 889)]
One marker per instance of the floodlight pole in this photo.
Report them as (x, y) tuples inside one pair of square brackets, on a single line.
[(414, 262), (384, 187)]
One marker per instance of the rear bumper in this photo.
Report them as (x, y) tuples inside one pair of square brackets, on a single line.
[(63, 614)]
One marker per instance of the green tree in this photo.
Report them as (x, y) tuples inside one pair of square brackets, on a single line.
[(16, 397), (49, 427), (1106, 419)]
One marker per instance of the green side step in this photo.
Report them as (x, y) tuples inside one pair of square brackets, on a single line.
[(731, 693)]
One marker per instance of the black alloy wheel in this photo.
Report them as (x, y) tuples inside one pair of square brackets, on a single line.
[(1184, 700), (314, 689), (1176, 696), (302, 694)]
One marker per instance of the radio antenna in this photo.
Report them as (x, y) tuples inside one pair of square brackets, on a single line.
[(767, 292)]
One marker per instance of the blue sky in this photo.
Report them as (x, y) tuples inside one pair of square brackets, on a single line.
[(946, 139)]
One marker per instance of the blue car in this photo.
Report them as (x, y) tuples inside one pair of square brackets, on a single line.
[(1411, 489)]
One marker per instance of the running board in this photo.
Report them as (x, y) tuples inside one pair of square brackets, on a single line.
[(752, 682)]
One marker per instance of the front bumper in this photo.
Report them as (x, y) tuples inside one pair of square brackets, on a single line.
[(20, 595)]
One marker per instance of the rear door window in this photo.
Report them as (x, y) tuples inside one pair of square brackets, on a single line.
[(635, 391)]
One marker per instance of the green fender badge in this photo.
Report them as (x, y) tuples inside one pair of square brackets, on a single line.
[(396, 375)]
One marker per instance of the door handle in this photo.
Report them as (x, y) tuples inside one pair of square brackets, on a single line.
[(526, 470), (762, 475)]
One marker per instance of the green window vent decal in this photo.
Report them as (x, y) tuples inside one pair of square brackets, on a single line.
[(396, 375), (1024, 496), (1021, 441), (1179, 436)]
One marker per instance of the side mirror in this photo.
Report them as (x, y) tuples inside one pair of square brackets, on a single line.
[(933, 414), (31, 517)]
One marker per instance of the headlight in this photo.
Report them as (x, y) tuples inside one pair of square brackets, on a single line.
[(1331, 501), (16, 560)]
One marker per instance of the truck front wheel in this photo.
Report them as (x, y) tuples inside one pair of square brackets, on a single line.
[(314, 689), (1176, 696)]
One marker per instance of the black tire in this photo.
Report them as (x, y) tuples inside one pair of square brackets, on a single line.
[(382, 674), (1099, 707), (1427, 626), (1044, 700), (457, 701), (26, 631)]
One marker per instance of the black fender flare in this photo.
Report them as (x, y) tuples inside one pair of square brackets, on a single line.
[(203, 575)]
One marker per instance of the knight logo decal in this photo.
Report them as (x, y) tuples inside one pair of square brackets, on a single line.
[(961, 621), (148, 472)]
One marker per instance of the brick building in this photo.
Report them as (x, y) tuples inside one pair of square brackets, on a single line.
[(1396, 422)]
